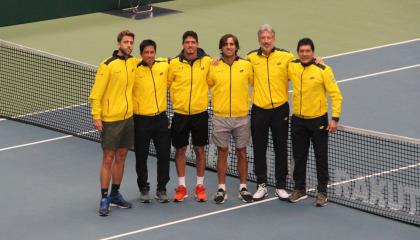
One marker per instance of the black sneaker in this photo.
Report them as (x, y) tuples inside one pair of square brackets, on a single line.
[(220, 196), (161, 196), (245, 196), (119, 201)]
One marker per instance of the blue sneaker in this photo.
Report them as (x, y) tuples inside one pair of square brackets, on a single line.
[(118, 201), (104, 207)]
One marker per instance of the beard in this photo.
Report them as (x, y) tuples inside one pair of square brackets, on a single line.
[(126, 52)]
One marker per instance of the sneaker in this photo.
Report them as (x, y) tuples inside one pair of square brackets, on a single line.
[(282, 194), (144, 196), (161, 196), (180, 193), (104, 207), (321, 199), (261, 192), (200, 193), (220, 196), (297, 195), (119, 201), (245, 196)]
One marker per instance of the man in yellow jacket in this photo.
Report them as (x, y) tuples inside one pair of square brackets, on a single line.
[(311, 84), (270, 110), (187, 79), (229, 81), (112, 111), (150, 120)]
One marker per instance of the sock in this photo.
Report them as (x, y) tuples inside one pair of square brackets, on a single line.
[(181, 181), (114, 189), (222, 186), (200, 180), (242, 185), (104, 192)]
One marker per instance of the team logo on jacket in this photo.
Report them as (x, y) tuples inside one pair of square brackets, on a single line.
[(312, 78), (202, 68), (161, 74), (241, 70), (279, 63)]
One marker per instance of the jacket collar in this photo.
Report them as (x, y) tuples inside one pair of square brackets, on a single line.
[(200, 54), (115, 54)]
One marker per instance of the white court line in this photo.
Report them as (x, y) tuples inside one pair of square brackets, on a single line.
[(2, 119), (248, 205), (379, 73), (375, 74), (46, 140), (372, 48), (33, 143)]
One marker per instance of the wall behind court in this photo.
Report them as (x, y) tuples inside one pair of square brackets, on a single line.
[(24, 11)]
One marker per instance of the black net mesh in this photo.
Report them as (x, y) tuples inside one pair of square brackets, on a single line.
[(370, 171)]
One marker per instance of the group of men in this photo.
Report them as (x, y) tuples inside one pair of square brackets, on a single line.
[(129, 103)]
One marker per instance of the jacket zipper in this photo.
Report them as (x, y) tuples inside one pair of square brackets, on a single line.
[(126, 86), (301, 84), (230, 91), (189, 106), (269, 88), (154, 86)]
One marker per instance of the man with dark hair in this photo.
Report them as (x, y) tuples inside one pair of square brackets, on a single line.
[(150, 120), (189, 96), (229, 81), (112, 111), (312, 83), (270, 110)]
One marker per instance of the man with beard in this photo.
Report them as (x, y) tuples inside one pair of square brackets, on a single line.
[(112, 111)]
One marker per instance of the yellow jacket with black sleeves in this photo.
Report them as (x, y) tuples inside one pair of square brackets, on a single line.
[(311, 84), (270, 88), (150, 88), (188, 83), (230, 88), (111, 94)]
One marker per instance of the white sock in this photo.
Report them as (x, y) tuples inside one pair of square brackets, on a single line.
[(200, 180), (222, 186), (181, 181), (242, 185)]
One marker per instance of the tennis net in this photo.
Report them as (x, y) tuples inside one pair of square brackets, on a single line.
[(370, 171)]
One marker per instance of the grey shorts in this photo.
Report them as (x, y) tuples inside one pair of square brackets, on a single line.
[(118, 134), (237, 127)]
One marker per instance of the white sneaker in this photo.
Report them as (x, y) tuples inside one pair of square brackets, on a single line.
[(261, 192), (281, 194)]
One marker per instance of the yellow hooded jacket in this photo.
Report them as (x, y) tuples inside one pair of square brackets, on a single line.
[(311, 84), (150, 88), (270, 88), (188, 83), (111, 94), (230, 88)]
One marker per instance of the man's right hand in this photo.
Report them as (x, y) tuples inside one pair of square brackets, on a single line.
[(97, 123), (216, 61)]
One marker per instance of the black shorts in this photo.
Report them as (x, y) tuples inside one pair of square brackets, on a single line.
[(182, 125)]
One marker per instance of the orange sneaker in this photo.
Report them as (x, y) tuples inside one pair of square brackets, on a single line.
[(200, 193), (180, 193)]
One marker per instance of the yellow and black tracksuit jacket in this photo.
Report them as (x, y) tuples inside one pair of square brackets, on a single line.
[(111, 94), (270, 88), (311, 84), (188, 83), (229, 88), (150, 88)]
